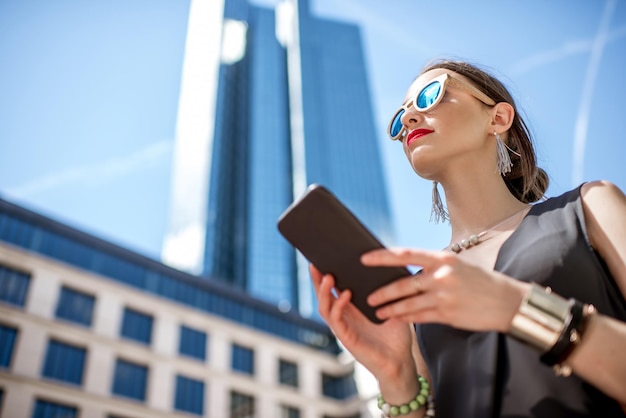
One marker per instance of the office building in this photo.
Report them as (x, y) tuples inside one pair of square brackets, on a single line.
[(272, 100), (89, 329)]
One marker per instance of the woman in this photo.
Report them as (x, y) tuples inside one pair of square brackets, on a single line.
[(523, 295)]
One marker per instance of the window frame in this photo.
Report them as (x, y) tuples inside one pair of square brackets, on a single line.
[(187, 333), (70, 314), (64, 374), (129, 327), (238, 364), (117, 390)]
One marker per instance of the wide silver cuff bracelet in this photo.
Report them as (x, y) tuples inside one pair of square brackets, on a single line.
[(541, 318)]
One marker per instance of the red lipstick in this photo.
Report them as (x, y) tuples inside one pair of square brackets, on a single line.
[(417, 133)]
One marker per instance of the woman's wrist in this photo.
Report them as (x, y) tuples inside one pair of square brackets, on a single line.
[(401, 386), (516, 294), (551, 324)]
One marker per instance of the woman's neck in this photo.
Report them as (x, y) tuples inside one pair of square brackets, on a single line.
[(476, 204)]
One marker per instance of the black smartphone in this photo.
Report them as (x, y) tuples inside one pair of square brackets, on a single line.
[(331, 237)]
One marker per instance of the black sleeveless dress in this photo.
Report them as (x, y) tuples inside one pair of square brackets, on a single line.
[(488, 374)]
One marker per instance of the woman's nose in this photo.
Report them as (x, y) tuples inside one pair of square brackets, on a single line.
[(411, 117)]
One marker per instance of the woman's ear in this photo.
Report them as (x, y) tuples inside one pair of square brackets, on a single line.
[(502, 115)]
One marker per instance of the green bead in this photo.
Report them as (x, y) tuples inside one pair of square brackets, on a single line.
[(424, 392), (394, 411), (425, 385), (421, 399), (404, 409), (381, 402), (414, 405)]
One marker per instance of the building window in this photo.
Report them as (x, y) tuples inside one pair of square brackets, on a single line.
[(192, 343), (137, 326), (338, 387), (13, 285), (288, 373), (189, 395), (7, 341), (289, 412), (75, 306), (64, 362), (241, 406), (46, 409), (357, 415), (243, 359), (130, 380)]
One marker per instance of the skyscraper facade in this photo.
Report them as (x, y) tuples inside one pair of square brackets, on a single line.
[(291, 107)]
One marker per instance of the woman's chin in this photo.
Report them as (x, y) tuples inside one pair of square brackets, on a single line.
[(423, 167)]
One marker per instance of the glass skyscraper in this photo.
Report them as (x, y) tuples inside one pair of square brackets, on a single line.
[(291, 107)]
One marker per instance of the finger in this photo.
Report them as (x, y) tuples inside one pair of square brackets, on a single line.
[(400, 288), (316, 276), (324, 296), (425, 316), (403, 257), (411, 307), (339, 306)]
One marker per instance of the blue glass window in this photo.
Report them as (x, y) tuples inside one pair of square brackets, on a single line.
[(45, 409), (64, 362), (13, 285), (241, 405), (242, 359), (289, 412), (137, 326), (192, 343), (75, 306), (288, 373), (189, 395), (130, 380), (338, 387), (357, 415), (7, 341)]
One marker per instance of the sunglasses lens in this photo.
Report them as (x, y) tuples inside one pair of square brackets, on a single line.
[(429, 95), (396, 124)]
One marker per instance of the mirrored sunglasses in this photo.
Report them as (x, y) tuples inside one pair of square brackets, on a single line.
[(430, 96)]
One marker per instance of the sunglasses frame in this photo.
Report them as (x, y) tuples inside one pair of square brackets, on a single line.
[(443, 79)]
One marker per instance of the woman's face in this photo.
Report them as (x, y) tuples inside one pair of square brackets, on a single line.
[(455, 129)]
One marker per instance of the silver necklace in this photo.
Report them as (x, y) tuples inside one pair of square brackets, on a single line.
[(474, 239)]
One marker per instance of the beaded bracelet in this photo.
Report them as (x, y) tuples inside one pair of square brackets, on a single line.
[(422, 398)]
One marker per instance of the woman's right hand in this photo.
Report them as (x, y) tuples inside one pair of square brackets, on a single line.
[(384, 349)]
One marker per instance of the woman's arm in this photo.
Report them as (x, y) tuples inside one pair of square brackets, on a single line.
[(453, 292), (601, 357), (387, 350)]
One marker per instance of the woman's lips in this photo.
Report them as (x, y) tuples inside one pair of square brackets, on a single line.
[(415, 134)]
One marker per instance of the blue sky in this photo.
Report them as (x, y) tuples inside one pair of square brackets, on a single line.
[(89, 93)]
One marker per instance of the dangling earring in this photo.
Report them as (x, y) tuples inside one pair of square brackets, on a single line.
[(503, 164), (438, 213)]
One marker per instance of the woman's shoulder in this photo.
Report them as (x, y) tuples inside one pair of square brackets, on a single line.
[(589, 192), (600, 190), (604, 204)]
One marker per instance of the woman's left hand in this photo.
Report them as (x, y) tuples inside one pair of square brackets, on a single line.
[(448, 290)]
